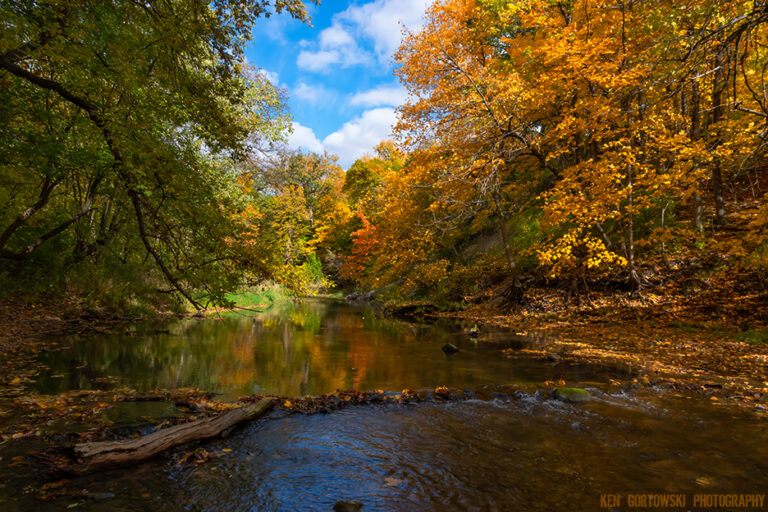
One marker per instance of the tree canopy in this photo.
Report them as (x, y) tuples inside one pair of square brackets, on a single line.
[(123, 125), (577, 141)]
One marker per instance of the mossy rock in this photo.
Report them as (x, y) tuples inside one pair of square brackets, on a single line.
[(573, 395)]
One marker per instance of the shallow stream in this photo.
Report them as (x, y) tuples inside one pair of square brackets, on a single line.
[(514, 451)]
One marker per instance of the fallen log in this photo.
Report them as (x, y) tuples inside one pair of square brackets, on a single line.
[(111, 454)]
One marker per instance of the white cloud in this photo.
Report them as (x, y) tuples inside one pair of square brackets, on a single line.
[(335, 37), (356, 138), (317, 61), (304, 138), (361, 135), (389, 95), (380, 22), (311, 93), (336, 46), (383, 22)]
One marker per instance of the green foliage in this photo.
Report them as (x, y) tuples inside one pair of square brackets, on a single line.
[(123, 125), (313, 269), (265, 295), (753, 336)]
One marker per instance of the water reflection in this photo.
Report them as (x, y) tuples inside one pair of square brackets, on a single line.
[(311, 347)]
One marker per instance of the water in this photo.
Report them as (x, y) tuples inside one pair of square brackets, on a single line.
[(528, 454), (314, 347), (523, 453)]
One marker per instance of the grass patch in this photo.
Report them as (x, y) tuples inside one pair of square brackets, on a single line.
[(259, 297), (250, 299), (753, 336), (333, 294), (704, 328), (685, 327)]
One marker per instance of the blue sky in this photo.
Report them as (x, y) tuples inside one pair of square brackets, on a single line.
[(338, 73)]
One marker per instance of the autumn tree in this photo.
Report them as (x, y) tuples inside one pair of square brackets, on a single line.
[(295, 217), (611, 119)]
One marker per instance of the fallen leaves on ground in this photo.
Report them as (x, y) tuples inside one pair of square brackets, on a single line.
[(675, 341)]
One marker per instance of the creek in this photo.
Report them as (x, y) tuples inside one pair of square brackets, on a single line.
[(511, 450)]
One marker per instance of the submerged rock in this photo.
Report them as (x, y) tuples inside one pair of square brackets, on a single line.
[(554, 357), (573, 395), (101, 496), (450, 348), (347, 506)]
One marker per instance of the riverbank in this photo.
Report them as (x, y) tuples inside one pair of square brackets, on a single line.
[(715, 343), (30, 326)]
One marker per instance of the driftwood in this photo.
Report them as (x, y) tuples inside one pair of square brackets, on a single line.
[(110, 454)]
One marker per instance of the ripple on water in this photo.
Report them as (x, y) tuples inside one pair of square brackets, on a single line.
[(530, 454)]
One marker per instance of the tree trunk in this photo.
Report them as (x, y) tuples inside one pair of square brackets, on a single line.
[(718, 113), (695, 134), (511, 264), (110, 454), (45, 194), (633, 275)]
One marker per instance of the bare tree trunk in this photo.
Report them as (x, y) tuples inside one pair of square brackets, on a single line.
[(663, 243), (633, 275), (85, 208), (511, 264), (627, 104)]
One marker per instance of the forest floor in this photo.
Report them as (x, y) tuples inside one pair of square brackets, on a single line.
[(713, 341)]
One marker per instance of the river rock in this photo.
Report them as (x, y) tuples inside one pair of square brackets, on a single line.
[(450, 348), (101, 496), (474, 332), (573, 395), (554, 357), (483, 393), (347, 506), (459, 394), (361, 297)]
